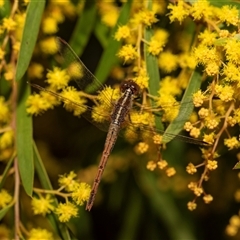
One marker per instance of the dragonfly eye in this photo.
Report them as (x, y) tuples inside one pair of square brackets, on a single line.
[(130, 84), (135, 88)]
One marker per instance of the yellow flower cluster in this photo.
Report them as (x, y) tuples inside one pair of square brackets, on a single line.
[(170, 171), (5, 198), (109, 13), (211, 165), (209, 138), (225, 93), (169, 106), (79, 193), (39, 233), (4, 111), (142, 78), (74, 102), (191, 206), (198, 98), (42, 205), (203, 112), (65, 211), (102, 110), (48, 45), (191, 169), (151, 165), (168, 61), (144, 16), (195, 132), (233, 226), (232, 143), (178, 12), (198, 191), (157, 139), (57, 78), (122, 33), (57, 91), (141, 148), (162, 164), (128, 52)]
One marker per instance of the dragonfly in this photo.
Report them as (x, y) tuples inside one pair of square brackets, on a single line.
[(118, 116)]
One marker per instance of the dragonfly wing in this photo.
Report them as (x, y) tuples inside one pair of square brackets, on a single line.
[(104, 125), (86, 110), (85, 80), (76, 68), (144, 131)]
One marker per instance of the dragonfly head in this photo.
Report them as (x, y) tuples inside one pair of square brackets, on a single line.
[(130, 84)]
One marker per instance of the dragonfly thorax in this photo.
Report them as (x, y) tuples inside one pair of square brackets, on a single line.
[(130, 84)]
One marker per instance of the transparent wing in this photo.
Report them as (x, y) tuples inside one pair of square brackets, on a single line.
[(76, 68), (87, 110), (134, 128), (85, 80)]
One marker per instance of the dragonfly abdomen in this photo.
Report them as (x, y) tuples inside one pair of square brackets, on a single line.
[(120, 111)]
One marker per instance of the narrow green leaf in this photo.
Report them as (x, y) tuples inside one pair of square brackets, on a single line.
[(29, 38), (237, 166), (60, 228), (220, 42), (5, 9), (153, 74), (40, 169), (6, 170), (152, 67), (5, 210), (223, 3), (185, 109), (82, 31), (152, 70), (102, 33), (24, 141), (5, 87)]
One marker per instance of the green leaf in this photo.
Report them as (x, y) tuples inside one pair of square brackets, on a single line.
[(185, 110), (153, 74), (40, 169), (6, 170), (152, 70), (5, 9), (102, 33), (5, 210), (24, 141), (5, 87), (82, 31), (223, 3), (29, 38), (222, 41), (152, 67), (237, 166), (60, 228)]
